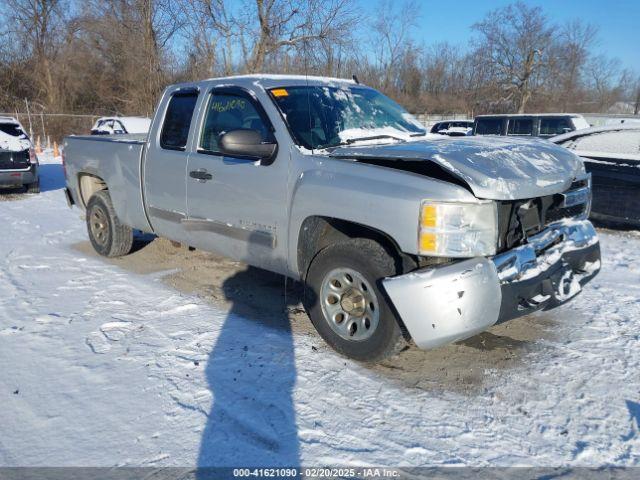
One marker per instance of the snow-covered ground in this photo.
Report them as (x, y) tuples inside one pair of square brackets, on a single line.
[(100, 366)]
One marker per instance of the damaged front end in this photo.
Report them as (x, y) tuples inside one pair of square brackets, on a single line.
[(448, 303)]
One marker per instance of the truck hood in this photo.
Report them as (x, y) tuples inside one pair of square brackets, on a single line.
[(496, 168)]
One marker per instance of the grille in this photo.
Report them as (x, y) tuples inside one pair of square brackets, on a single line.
[(553, 215), (519, 219)]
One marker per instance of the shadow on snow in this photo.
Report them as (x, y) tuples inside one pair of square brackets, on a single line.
[(251, 373)]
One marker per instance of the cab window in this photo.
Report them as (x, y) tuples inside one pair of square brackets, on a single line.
[(177, 120), (554, 126), (520, 126), (489, 126), (226, 112)]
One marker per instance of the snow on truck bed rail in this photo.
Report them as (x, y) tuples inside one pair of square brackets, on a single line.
[(105, 367)]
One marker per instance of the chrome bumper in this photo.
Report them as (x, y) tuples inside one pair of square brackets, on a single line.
[(445, 304)]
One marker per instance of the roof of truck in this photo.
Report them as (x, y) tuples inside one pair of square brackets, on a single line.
[(271, 80)]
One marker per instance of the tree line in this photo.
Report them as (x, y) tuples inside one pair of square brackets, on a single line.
[(108, 57)]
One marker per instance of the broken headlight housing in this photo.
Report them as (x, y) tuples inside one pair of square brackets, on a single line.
[(458, 229)]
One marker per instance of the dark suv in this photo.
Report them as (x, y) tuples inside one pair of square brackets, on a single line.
[(529, 125)]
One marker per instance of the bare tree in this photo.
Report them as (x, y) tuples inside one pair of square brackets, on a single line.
[(34, 26), (263, 32), (293, 24), (131, 39), (390, 32), (603, 79), (211, 30), (516, 40), (571, 54)]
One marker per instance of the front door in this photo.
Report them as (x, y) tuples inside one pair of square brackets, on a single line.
[(236, 206)]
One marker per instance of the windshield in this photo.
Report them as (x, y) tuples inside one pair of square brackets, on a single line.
[(323, 117), (12, 129)]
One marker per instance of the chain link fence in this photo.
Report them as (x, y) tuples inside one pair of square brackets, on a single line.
[(428, 119)]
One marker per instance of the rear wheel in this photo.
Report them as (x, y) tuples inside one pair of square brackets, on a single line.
[(108, 236), (346, 303), (34, 187)]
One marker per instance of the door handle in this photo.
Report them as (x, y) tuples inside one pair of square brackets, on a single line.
[(200, 174)]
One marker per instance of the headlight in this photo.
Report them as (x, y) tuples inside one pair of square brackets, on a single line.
[(449, 229)]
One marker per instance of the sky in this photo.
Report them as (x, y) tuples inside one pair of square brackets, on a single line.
[(618, 21)]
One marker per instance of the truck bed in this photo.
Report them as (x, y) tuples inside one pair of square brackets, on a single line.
[(116, 160)]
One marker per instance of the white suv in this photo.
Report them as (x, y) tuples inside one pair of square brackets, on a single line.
[(18, 161)]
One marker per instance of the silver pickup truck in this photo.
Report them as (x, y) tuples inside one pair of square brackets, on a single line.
[(398, 235)]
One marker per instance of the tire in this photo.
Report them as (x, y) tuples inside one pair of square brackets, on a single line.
[(34, 187), (366, 262), (109, 237)]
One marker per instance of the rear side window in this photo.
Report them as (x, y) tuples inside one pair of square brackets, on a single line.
[(227, 112), (177, 121), (118, 127), (554, 126), (489, 126), (520, 126)]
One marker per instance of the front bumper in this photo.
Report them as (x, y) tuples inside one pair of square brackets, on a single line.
[(449, 303)]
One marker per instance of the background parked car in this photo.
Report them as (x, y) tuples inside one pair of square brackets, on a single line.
[(529, 125), (18, 161), (612, 155), (453, 128), (120, 125)]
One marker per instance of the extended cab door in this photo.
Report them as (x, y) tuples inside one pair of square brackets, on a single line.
[(236, 206), (165, 165)]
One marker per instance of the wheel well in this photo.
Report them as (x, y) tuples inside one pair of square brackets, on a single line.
[(88, 185), (317, 233)]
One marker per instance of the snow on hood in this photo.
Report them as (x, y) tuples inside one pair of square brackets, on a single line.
[(497, 168), (13, 144)]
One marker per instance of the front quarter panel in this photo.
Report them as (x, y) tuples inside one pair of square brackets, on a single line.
[(379, 198)]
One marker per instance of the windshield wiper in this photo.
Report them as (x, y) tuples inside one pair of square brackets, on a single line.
[(350, 141)]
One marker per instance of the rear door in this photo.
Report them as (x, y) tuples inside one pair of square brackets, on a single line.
[(236, 206), (166, 165)]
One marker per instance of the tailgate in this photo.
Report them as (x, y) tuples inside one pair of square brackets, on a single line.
[(14, 160)]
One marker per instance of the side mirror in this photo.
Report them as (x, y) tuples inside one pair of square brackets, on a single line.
[(245, 142)]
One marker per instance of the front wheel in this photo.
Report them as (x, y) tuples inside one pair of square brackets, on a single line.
[(109, 237), (345, 301)]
